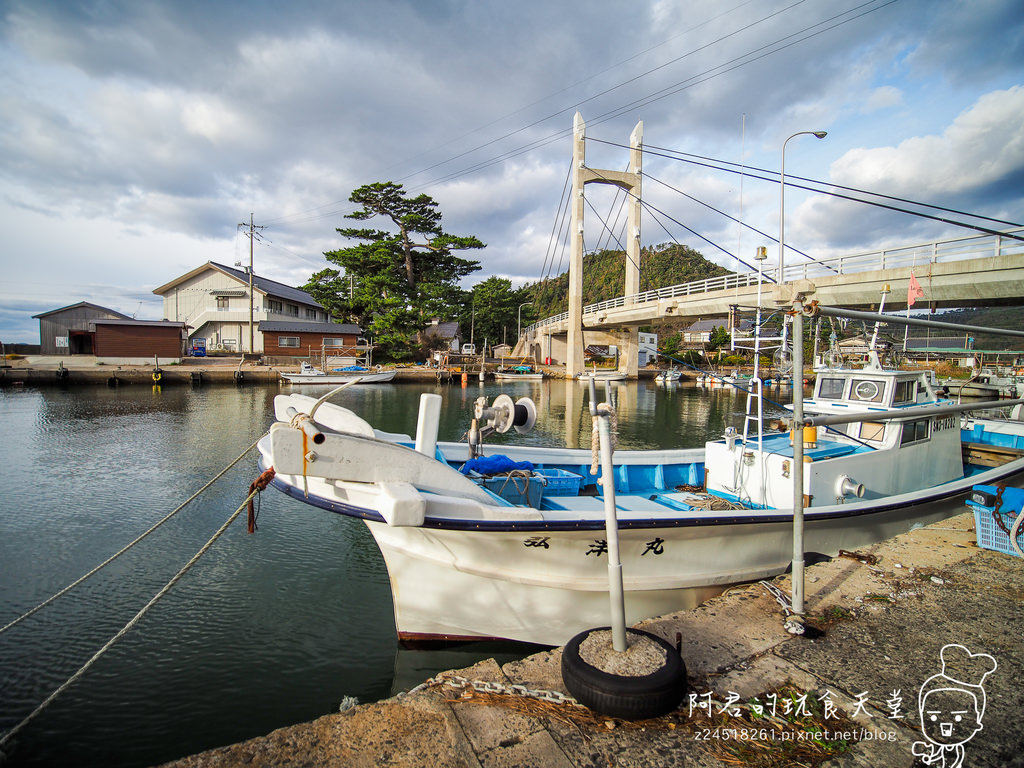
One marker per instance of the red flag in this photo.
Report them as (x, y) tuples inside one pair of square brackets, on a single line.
[(914, 292)]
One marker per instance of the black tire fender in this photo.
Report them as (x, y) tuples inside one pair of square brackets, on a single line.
[(629, 698)]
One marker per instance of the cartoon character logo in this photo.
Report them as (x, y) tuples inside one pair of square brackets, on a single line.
[(951, 705)]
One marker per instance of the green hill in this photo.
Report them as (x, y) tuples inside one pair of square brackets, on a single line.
[(604, 276), (1009, 318)]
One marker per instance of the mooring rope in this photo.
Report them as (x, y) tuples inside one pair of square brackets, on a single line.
[(116, 555), (127, 627)]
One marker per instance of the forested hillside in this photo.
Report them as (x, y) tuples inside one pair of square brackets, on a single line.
[(1009, 318), (604, 276)]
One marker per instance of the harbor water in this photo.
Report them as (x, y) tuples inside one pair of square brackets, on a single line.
[(267, 629)]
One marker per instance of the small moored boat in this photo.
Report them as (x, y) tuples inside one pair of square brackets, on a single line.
[(309, 374)]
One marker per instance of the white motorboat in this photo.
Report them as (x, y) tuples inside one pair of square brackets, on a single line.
[(985, 384), (523, 555), (665, 377), (309, 374), (518, 373), (600, 376)]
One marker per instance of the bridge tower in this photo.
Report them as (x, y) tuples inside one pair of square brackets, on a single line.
[(629, 181)]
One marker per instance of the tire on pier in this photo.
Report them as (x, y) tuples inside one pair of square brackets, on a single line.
[(626, 697)]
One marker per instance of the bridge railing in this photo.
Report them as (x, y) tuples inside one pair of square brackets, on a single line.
[(956, 249)]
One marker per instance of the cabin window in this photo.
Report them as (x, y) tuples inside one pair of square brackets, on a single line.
[(288, 341), (872, 430), (334, 343), (831, 389), (914, 431), (867, 390), (906, 392)]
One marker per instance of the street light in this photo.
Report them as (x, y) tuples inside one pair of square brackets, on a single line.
[(519, 318), (795, 623), (782, 199)]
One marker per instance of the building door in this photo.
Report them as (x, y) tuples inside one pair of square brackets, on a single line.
[(81, 342)]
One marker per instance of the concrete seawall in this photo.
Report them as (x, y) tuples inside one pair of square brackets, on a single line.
[(83, 370), (879, 619)]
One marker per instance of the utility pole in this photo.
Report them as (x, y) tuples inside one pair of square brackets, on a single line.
[(252, 236)]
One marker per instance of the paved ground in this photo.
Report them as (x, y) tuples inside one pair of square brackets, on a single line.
[(884, 620)]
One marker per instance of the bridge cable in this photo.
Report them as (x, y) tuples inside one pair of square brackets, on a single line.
[(964, 225), (648, 148), (737, 221)]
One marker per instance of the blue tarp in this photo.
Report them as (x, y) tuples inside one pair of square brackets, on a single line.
[(493, 465)]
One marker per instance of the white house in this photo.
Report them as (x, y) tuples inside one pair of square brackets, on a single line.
[(213, 301), (647, 348)]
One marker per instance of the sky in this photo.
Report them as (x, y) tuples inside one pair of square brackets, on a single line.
[(137, 136)]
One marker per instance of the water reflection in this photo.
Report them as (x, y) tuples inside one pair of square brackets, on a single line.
[(267, 630)]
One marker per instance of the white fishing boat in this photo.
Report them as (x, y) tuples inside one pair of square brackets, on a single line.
[(523, 554), (985, 384), (599, 376), (309, 374), (518, 373), (666, 377)]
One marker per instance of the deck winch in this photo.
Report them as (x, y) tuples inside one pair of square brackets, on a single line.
[(501, 416)]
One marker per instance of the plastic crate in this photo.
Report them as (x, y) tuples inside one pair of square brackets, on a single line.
[(560, 482), (517, 489), (989, 534)]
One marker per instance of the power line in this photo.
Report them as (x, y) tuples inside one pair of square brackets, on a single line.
[(737, 62)]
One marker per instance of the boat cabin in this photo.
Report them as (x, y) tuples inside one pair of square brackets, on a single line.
[(868, 458)]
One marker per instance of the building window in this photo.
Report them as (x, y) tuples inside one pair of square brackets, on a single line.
[(274, 306), (222, 303), (293, 310), (334, 343), (311, 314), (288, 341)]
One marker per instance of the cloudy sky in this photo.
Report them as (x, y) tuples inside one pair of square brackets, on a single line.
[(137, 135)]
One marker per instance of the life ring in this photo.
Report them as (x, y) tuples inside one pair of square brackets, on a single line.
[(629, 697), (867, 386), (157, 374)]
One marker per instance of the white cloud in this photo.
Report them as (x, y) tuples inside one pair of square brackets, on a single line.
[(138, 135), (982, 146)]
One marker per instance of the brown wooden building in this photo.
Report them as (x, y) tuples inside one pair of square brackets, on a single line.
[(69, 330), (89, 329), (298, 339), (139, 339)]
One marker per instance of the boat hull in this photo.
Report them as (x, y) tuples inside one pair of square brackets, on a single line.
[(369, 377), (499, 376), (544, 580)]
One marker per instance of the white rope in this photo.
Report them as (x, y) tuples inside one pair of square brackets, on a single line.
[(116, 555), (127, 627)]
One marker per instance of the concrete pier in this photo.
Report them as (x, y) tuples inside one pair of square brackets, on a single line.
[(878, 621)]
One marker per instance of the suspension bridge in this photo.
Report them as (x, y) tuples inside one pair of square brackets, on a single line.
[(975, 270)]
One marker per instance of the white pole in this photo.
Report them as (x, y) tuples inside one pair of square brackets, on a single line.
[(798, 464), (616, 594)]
